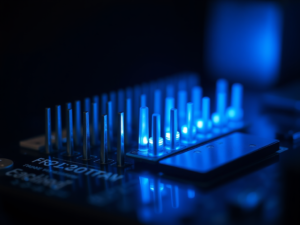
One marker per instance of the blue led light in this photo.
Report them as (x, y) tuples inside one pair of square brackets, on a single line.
[(219, 118), (143, 129), (170, 103), (189, 130), (156, 142), (196, 99), (181, 105), (235, 111)]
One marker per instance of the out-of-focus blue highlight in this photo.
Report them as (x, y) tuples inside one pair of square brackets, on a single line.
[(243, 41), (196, 99), (170, 103), (143, 129), (235, 111), (181, 106)]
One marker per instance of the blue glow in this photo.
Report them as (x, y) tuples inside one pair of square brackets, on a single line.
[(221, 103), (181, 106), (170, 103), (177, 136), (145, 191), (216, 118), (170, 91), (143, 100), (128, 119), (235, 112), (143, 129), (205, 108), (251, 200), (157, 102), (189, 130), (196, 99), (243, 41), (200, 123), (191, 193)]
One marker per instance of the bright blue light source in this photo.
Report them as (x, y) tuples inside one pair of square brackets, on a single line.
[(243, 41), (143, 129), (200, 123), (235, 112), (184, 130), (216, 118)]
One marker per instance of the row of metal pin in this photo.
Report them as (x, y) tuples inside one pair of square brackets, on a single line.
[(140, 100), (84, 140)]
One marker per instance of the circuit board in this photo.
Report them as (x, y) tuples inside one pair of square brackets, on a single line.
[(154, 154)]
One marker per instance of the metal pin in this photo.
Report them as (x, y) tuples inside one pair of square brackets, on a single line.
[(86, 136), (113, 99), (77, 124), (104, 136), (58, 130), (87, 104), (190, 122), (48, 145), (156, 133), (70, 144), (136, 104), (110, 125), (128, 121), (68, 106), (173, 128), (95, 133), (121, 147)]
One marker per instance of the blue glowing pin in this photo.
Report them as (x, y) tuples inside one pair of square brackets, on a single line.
[(170, 103), (204, 124), (110, 126), (189, 130), (128, 121), (235, 111), (144, 129), (181, 105), (219, 118), (95, 123), (173, 137), (77, 124), (196, 99), (156, 142)]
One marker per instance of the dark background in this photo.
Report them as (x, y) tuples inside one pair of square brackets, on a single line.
[(54, 52)]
